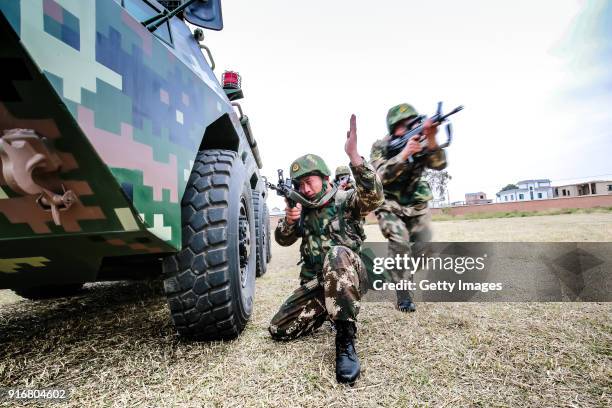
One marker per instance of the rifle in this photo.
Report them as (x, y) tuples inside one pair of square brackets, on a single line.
[(284, 188), (397, 144)]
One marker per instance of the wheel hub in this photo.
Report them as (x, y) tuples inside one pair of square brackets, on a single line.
[(244, 242)]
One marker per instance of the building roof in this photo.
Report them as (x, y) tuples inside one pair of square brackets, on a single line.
[(583, 183), (533, 181), (521, 190)]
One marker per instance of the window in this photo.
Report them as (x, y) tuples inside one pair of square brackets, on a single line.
[(609, 187), (539, 195), (521, 196), (482, 197), (142, 11), (512, 197), (505, 198)]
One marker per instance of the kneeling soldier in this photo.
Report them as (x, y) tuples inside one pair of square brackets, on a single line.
[(332, 276)]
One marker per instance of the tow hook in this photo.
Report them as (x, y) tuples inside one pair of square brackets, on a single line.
[(31, 167)]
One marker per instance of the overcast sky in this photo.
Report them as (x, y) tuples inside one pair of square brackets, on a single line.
[(534, 77)]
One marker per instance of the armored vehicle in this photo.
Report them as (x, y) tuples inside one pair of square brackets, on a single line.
[(123, 157)]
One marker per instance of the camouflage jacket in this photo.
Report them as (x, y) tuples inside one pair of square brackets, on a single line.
[(339, 222), (401, 179)]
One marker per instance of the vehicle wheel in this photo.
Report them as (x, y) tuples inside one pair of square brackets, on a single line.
[(268, 234), (50, 291), (261, 233), (210, 283)]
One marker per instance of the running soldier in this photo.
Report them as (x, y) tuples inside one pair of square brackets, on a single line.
[(404, 218)]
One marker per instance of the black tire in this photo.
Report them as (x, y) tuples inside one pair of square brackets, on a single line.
[(210, 283), (268, 235), (260, 232), (49, 292)]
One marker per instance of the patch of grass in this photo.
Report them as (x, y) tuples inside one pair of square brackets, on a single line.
[(114, 345), (445, 216)]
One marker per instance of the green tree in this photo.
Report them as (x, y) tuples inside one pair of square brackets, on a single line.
[(438, 180), (510, 187)]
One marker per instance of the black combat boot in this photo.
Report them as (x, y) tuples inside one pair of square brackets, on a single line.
[(404, 302), (406, 306), (347, 362)]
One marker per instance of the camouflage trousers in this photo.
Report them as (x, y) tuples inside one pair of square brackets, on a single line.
[(406, 228), (335, 295)]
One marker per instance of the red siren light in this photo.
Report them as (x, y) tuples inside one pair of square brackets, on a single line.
[(231, 79)]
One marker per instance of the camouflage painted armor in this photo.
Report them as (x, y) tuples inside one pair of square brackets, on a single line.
[(123, 109), (333, 276)]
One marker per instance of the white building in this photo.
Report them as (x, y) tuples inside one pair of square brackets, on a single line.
[(527, 190), (585, 188)]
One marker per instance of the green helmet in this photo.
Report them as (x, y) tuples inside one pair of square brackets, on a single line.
[(398, 113), (307, 164), (342, 171)]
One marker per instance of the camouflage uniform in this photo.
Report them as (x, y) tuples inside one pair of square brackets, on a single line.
[(332, 276), (404, 218)]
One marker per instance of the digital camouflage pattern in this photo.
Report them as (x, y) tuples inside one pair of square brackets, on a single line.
[(307, 164), (123, 110), (333, 276), (399, 112), (336, 296), (337, 223)]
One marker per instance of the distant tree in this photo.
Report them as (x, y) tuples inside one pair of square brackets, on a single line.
[(510, 187), (438, 180)]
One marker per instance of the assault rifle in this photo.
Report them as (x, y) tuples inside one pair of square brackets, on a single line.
[(284, 188), (397, 144)]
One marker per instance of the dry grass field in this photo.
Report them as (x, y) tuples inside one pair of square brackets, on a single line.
[(114, 345), (594, 227)]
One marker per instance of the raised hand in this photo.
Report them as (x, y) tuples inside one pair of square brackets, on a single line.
[(350, 147)]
